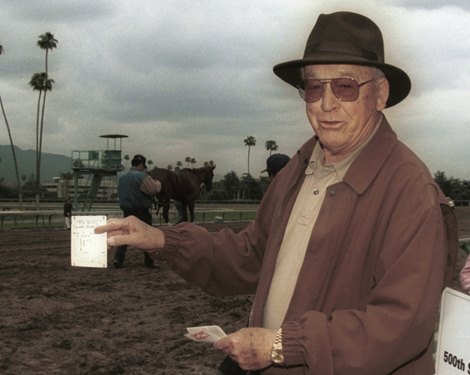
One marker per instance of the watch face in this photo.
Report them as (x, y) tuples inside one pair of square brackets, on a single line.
[(276, 356)]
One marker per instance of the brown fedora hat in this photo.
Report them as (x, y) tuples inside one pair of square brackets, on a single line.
[(347, 38)]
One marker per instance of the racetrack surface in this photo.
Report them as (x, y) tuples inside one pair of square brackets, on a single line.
[(58, 319)]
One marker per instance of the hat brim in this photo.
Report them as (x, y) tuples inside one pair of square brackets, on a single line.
[(399, 82)]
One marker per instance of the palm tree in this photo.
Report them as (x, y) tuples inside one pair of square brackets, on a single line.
[(40, 82), (179, 164), (193, 162), (47, 42), (19, 187), (150, 163), (249, 141), (126, 158), (187, 159), (271, 146)]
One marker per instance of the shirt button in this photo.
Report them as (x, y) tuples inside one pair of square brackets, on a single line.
[(316, 191), (332, 192)]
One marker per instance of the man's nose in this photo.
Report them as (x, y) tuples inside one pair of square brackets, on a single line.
[(328, 100)]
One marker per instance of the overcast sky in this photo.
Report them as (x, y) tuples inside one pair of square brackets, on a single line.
[(194, 77)]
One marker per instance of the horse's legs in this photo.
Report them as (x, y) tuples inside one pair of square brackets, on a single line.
[(165, 213), (191, 210), (184, 211)]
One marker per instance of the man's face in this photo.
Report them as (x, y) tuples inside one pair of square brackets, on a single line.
[(343, 125)]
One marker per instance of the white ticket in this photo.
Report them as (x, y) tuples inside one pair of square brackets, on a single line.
[(205, 333), (88, 249)]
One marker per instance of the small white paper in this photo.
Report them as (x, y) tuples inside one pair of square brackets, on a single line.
[(88, 249), (205, 333), (453, 355)]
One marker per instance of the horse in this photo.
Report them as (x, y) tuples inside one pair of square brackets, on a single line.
[(183, 186)]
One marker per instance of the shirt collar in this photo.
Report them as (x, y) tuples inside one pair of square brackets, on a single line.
[(317, 165)]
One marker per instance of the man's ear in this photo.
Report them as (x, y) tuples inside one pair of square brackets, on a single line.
[(383, 90)]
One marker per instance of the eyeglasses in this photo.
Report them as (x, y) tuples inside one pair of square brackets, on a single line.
[(344, 89)]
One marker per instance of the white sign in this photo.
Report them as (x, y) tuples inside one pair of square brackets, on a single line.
[(453, 344), (88, 248)]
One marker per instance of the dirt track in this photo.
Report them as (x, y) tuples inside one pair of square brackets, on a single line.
[(58, 319)]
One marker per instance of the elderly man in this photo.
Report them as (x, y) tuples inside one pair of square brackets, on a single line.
[(347, 255)]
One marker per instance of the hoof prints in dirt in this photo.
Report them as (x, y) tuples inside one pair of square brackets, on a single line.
[(58, 319)]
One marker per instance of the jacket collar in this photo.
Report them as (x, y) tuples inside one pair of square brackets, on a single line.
[(367, 165)]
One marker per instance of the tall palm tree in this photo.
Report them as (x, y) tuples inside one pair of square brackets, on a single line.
[(271, 146), (249, 141), (46, 42), (15, 161), (193, 162), (40, 82), (187, 159), (179, 164)]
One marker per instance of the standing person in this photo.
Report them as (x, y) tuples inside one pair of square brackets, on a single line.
[(274, 164), (465, 276), (347, 254), (68, 208), (136, 189)]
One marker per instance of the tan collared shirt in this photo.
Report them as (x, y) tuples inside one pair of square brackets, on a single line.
[(299, 229)]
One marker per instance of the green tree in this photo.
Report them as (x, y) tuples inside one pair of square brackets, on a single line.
[(193, 162), (179, 164), (187, 159), (15, 161), (249, 141), (150, 163), (271, 146), (231, 184), (126, 158), (251, 189)]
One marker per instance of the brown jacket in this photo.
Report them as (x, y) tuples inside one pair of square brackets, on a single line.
[(367, 294)]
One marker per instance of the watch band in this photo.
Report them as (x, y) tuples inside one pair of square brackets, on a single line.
[(276, 351)]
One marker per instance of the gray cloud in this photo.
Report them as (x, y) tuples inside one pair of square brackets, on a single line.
[(185, 78)]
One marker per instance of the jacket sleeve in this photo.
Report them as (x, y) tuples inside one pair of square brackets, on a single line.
[(396, 323), (221, 263)]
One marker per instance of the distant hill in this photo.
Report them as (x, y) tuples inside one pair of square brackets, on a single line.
[(52, 165)]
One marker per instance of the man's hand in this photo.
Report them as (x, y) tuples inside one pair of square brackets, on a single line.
[(250, 347), (134, 232)]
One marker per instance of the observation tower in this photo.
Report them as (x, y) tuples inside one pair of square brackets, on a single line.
[(98, 166)]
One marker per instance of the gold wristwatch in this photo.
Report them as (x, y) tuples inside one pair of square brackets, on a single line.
[(276, 351)]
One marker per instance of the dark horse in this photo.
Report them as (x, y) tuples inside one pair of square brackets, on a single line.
[(183, 186)]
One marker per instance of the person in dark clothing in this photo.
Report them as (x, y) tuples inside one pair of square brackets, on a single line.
[(136, 189), (68, 208), (274, 164)]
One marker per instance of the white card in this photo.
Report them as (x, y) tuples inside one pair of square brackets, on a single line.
[(453, 354), (205, 333), (88, 249)]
